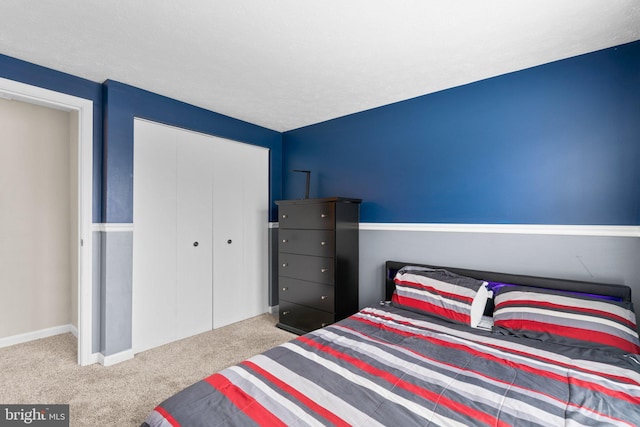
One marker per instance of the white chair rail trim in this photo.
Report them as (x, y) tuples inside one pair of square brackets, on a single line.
[(543, 229), (112, 227)]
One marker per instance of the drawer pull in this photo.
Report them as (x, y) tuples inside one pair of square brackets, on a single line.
[(284, 240), (324, 270), (324, 297), (285, 216), (323, 215), (284, 265), (323, 243), (285, 289), (284, 313)]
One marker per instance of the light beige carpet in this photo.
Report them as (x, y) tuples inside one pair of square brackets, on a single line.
[(45, 372)]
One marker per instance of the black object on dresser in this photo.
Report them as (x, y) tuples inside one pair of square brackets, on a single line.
[(317, 262)]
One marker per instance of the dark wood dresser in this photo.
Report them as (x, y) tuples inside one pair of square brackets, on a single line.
[(317, 262)]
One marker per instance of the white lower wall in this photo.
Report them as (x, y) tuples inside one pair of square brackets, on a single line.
[(597, 258), (605, 254)]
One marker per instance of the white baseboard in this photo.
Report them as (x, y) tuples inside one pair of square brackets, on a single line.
[(94, 358), (36, 335), (49, 332), (273, 310), (115, 358)]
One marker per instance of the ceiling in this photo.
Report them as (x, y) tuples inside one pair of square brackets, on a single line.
[(284, 64)]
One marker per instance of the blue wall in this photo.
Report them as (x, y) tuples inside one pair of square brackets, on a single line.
[(113, 144), (35, 75), (554, 144), (122, 103)]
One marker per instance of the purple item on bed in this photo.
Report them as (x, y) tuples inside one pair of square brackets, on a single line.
[(494, 286)]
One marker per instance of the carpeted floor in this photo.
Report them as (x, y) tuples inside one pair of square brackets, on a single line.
[(45, 372)]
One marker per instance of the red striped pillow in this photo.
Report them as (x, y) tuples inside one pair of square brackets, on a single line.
[(565, 318), (436, 292)]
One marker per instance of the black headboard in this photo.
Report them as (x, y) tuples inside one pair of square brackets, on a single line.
[(619, 291)]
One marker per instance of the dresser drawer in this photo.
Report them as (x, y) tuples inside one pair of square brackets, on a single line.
[(306, 267), (310, 294), (303, 318), (318, 216), (307, 242)]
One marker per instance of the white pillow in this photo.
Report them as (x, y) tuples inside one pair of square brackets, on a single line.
[(478, 304)]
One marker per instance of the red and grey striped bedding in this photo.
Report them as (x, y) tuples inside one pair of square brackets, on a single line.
[(575, 319), (389, 366)]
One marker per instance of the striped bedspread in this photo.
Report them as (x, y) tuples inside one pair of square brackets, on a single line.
[(391, 367)]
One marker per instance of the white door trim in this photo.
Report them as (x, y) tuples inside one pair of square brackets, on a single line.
[(10, 89)]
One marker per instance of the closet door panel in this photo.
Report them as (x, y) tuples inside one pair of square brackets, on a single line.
[(154, 236), (228, 268), (256, 219), (194, 238), (240, 232)]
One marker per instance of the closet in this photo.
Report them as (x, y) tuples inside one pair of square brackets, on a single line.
[(200, 217)]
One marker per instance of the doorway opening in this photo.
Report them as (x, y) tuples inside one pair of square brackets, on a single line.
[(47, 216)]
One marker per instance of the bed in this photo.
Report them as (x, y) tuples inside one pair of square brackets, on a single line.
[(541, 352)]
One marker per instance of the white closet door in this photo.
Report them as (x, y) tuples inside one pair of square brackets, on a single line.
[(200, 233), (172, 251), (240, 232), (194, 239), (154, 236)]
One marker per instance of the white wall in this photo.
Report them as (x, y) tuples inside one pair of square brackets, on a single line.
[(35, 218), (602, 259)]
